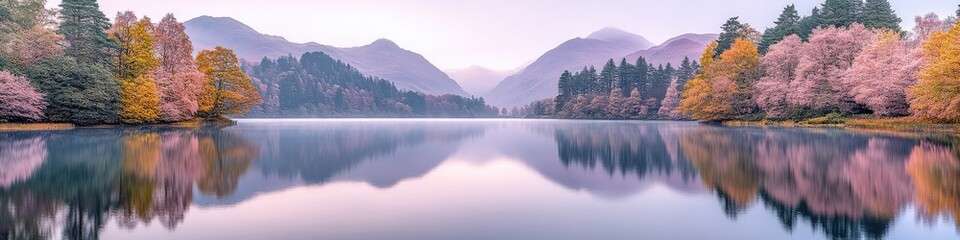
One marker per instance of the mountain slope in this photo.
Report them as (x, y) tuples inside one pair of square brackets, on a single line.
[(539, 79), (382, 58), (675, 49)]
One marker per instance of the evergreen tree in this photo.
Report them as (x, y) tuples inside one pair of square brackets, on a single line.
[(624, 75), (565, 86), (84, 27), (808, 23), (732, 30), (840, 13), (787, 24), (77, 93), (879, 14), (608, 76)]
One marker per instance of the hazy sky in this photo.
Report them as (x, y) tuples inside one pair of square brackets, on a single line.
[(498, 34)]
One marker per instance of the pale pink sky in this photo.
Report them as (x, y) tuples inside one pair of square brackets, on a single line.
[(498, 34)]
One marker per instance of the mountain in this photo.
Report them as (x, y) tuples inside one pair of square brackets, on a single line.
[(478, 80), (382, 58), (621, 38), (675, 49), (539, 80)]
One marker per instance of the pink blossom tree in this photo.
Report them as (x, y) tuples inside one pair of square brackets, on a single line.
[(671, 102), (178, 80), (18, 99), (880, 76), (780, 65), (927, 25), (823, 62)]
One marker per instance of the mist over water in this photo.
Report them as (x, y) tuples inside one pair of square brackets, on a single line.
[(477, 179)]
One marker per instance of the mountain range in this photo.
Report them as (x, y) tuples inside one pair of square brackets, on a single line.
[(411, 71), (539, 79), (382, 58)]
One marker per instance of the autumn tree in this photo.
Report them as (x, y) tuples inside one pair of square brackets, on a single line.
[(615, 104), (936, 95), (18, 99), (881, 74), (633, 105), (139, 100), (227, 89), (671, 103), (178, 80), (779, 65), (698, 99), (25, 36)]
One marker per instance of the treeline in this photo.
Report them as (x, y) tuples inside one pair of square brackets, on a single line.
[(625, 91), (317, 85), (847, 58), (73, 65)]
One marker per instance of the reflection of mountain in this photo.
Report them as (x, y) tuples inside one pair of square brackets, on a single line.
[(131, 176), (379, 154), (848, 186)]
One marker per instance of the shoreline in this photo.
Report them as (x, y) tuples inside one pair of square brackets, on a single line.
[(904, 125), (192, 123)]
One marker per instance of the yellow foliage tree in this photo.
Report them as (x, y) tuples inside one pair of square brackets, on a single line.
[(227, 90), (139, 100), (937, 94), (724, 88)]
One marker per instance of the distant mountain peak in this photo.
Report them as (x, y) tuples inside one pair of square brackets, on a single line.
[(610, 32), (621, 38), (383, 42)]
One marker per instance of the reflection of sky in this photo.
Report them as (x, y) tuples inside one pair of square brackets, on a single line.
[(505, 184)]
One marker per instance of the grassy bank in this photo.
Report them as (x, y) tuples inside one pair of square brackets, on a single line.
[(193, 123), (904, 124), (18, 127)]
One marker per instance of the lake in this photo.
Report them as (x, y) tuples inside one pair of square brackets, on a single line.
[(477, 179)]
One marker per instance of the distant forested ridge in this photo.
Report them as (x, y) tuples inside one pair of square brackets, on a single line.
[(316, 85), (624, 91)]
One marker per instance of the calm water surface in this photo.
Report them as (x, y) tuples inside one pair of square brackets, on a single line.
[(477, 179)]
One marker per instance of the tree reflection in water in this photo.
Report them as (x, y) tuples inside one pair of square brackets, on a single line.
[(134, 176), (846, 185)]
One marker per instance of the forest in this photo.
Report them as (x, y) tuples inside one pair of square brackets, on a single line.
[(627, 91), (316, 85), (72, 65), (848, 58)]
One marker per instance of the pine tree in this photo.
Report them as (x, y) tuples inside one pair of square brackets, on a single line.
[(808, 23), (879, 14), (608, 76), (840, 13), (732, 30), (787, 24), (84, 27)]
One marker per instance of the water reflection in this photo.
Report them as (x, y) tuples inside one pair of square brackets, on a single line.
[(91, 176), (840, 184)]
